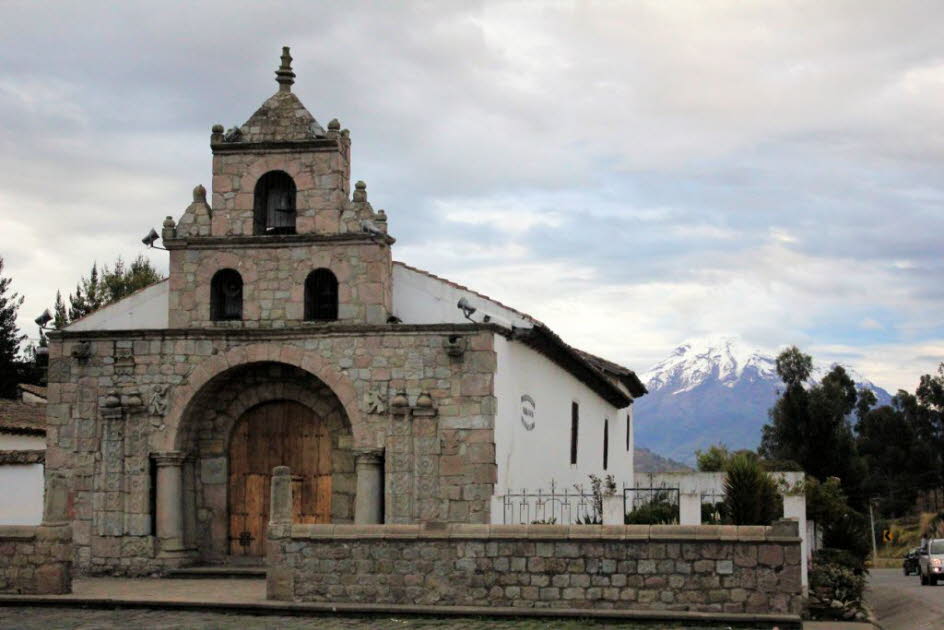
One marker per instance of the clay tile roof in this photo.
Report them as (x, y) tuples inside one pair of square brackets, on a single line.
[(20, 417), (36, 390), (624, 374)]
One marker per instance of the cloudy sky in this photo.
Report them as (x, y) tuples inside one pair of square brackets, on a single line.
[(633, 174)]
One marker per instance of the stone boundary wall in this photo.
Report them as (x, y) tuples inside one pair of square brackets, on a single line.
[(705, 568), (36, 560)]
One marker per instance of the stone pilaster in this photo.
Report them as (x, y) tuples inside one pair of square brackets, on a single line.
[(170, 522), (368, 503)]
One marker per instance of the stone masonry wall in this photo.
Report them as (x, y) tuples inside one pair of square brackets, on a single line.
[(274, 283), (116, 399), (706, 568), (35, 560)]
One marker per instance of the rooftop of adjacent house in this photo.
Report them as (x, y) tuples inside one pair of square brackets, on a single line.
[(39, 391), (17, 416)]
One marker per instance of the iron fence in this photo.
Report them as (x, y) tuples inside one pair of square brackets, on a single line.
[(651, 506), (559, 506), (712, 508)]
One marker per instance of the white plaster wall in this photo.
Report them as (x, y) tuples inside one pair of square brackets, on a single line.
[(145, 309), (419, 298), (21, 501), (531, 459), (18, 442)]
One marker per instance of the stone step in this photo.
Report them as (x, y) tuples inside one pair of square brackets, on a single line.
[(218, 571)]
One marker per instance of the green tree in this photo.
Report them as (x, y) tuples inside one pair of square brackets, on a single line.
[(123, 280), (88, 296), (811, 426), (10, 337), (98, 290), (60, 316), (714, 459)]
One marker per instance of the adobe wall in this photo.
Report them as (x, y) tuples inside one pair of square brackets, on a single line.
[(117, 399), (726, 569)]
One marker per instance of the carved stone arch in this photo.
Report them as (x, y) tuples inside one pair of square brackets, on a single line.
[(183, 396)]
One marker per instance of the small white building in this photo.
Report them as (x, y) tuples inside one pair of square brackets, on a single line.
[(22, 453)]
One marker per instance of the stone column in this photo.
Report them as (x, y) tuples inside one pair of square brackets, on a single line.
[(280, 578), (368, 503), (170, 521)]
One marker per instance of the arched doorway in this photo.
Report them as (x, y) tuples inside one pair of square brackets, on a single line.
[(276, 433)]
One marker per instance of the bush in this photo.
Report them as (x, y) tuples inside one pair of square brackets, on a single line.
[(835, 591), (840, 557), (657, 511), (850, 532), (750, 494)]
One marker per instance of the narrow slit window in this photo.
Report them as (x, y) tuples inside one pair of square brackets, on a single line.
[(574, 430), (628, 429), (606, 443)]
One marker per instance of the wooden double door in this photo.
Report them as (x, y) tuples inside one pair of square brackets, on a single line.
[(277, 433)]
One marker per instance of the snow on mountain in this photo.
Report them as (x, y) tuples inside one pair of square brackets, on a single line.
[(713, 389)]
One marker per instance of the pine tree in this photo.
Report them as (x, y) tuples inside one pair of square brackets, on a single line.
[(88, 296), (60, 314), (123, 281), (10, 337)]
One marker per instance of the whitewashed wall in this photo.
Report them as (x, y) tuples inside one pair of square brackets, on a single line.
[(21, 501), (419, 298), (531, 459), (146, 309)]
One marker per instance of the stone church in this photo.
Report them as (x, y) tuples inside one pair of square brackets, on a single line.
[(287, 335)]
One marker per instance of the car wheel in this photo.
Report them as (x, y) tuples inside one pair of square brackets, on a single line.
[(933, 580), (924, 580)]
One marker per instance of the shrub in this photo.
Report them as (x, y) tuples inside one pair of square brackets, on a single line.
[(750, 494), (840, 557), (832, 584), (659, 510)]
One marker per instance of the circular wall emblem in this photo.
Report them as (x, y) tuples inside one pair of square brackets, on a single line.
[(527, 412)]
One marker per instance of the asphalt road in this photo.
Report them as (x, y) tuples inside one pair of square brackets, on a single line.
[(901, 603)]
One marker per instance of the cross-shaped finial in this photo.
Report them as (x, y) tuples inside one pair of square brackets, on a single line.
[(284, 75)]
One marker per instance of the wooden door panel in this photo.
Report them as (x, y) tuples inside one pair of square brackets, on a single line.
[(279, 433)]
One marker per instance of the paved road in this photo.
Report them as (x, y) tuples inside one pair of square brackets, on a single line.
[(901, 603), (30, 618)]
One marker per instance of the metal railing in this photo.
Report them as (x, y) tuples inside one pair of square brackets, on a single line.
[(558, 506)]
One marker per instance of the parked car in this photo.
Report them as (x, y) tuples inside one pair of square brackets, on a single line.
[(931, 562), (910, 565)]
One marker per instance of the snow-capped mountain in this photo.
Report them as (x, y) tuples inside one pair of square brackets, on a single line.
[(710, 390)]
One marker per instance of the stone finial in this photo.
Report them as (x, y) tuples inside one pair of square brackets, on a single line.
[(381, 216), (424, 400), (360, 191), (284, 75), (199, 194), (216, 133), (169, 222), (334, 125)]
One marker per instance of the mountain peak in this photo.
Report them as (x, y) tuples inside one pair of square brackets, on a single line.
[(721, 357), (714, 389)]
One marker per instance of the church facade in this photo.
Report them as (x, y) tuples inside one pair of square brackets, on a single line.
[(286, 334)]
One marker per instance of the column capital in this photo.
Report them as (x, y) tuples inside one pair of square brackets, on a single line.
[(368, 456), (169, 458)]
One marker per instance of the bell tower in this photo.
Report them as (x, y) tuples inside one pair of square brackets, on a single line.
[(294, 247)]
